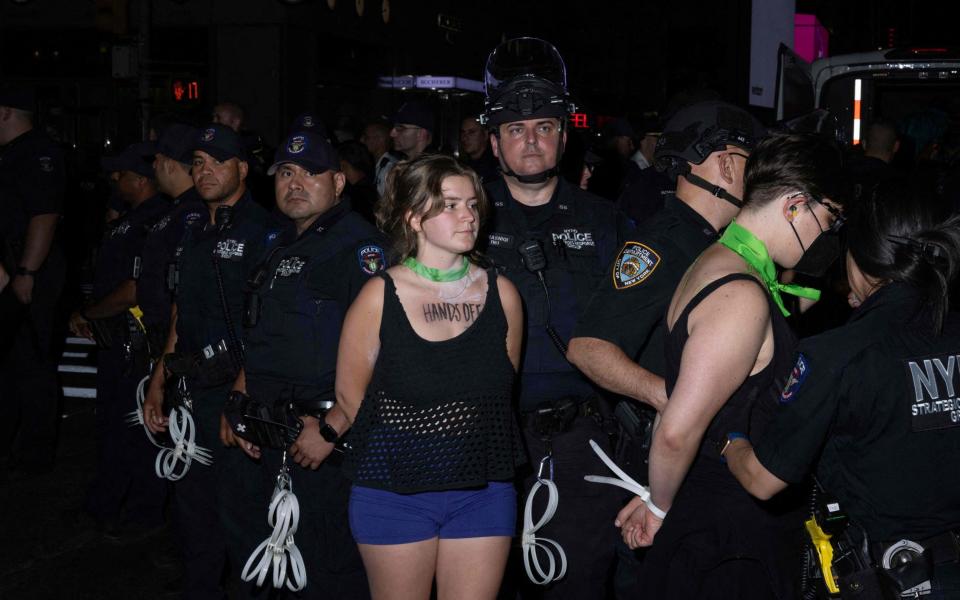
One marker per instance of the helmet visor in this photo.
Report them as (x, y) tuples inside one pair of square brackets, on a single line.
[(523, 57)]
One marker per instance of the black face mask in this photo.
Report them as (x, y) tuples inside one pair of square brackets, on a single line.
[(821, 254)]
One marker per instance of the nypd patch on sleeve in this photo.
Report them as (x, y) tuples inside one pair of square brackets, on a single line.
[(372, 259), (797, 376), (635, 263)]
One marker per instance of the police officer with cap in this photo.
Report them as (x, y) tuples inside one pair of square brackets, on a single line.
[(124, 476), (31, 201), (871, 409), (412, 133), (213, 262), (297, 298), (554, 242), (618, 341), (155, 287)]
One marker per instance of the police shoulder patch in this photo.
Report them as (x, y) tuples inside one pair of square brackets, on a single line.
[(634, 265), (797, 376), (372, 259)]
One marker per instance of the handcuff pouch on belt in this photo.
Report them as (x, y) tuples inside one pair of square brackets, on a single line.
[(554, 417), (266, 425), (212, 366)]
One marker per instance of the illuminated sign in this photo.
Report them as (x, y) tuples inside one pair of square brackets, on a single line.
[(579, 120), (185, 90)]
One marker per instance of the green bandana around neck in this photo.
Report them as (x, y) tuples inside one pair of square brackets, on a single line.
[(754, 253), (437, 275)]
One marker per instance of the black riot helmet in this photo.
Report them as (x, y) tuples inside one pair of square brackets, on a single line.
[(525, 78), (695, 132)]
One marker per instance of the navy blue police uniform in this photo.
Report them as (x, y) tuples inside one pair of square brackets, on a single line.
[(158, 261), (872, 407), (291, 343), (32, 183), (214, 258), (579, 234), (124, 481)]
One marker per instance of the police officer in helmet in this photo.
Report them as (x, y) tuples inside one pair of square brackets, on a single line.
[(296, 300), (553, 241), (618, 341)]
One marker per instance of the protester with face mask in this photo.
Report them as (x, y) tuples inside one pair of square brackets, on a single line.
[(728, 348), (870, 407)]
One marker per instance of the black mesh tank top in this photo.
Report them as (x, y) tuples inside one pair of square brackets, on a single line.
[(437, 415), (759, 394)]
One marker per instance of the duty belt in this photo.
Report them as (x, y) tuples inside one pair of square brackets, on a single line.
[(555, 416)]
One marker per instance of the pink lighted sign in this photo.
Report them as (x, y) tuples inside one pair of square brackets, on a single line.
[(810, 39)]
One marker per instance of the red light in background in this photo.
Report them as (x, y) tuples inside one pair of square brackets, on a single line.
[(178, 90), (579, 120), (193, 90)]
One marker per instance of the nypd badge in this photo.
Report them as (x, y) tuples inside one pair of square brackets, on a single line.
[(46, 164), (208, 135), (308, 121), (372, 259), (796, 379), (635, 263), (297, 144)]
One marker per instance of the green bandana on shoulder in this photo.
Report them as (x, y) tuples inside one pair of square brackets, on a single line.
[(754, 253)]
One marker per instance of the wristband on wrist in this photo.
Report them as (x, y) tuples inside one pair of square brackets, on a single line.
[(656, 510), (328, 433), (21, 270), (733, 435)]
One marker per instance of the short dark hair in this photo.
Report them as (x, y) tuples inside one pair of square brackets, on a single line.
[(894, 235), (415, 187), (798, 162), (356, 155)]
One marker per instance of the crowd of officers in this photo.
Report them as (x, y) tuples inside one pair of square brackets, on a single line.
[(251, 299)]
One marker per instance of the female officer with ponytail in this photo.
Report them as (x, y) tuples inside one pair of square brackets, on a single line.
[(872, 408)]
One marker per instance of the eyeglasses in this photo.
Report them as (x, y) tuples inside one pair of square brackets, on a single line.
[(838, 218), (402, 128)]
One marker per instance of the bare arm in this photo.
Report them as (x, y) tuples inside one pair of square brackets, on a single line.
[(357, 355), (513, 309), (610, 368), (120, 299), (727, 331), (152, 404), (752, 475), (36, 247)]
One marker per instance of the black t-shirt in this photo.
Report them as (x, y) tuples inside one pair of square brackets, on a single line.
[(32, 182), (874, 407), (311, 280), (628, 307)]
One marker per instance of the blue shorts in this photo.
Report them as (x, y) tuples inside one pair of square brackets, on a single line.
[(381, 517)]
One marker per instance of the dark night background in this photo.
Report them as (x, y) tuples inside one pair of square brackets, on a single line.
[(278, 59)]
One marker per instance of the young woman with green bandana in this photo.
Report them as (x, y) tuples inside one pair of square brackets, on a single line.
[(425, 373), (728, 347)]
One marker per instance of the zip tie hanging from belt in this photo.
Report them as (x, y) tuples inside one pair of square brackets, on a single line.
[(623, 480), (182, 434), (531, 544), (279, 549)]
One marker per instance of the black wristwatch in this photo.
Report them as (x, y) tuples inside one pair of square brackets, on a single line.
[(328, 433), (21, 270)]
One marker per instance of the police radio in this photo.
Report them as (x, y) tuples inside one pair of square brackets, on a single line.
[(531, 253)]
